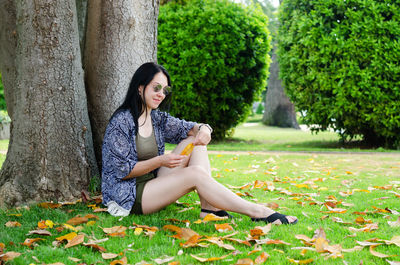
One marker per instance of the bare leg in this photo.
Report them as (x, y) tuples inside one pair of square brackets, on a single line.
[(162, 191), (199, 157)]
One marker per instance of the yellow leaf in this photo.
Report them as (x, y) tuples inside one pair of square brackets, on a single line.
[(49, 223), (305, 261), (188, 149), (67, 237), (90, 223), (213, 217), (70, 227), (138, 231)]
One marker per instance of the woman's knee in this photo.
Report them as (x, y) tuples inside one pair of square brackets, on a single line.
[(198, 173)]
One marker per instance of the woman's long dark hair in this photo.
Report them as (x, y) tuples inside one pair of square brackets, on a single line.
[(133, 101)]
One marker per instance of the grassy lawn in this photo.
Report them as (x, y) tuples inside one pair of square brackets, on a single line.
[(354, 199), (301, 184)]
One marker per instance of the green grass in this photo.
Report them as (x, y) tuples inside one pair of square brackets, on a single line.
[(325, 175), (330, 174)]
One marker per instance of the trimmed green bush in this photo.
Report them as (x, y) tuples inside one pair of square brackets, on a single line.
[(217, 55), (340, 65)]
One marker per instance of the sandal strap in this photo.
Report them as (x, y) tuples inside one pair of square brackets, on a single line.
[(275, 216), (220, 213)]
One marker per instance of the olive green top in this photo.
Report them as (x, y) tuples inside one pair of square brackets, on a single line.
[(146, 147)]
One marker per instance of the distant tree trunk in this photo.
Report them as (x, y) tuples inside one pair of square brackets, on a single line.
[(50, 154), (8, 43), (121, 36), (279, 111)]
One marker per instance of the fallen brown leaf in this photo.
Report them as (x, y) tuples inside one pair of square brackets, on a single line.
[(51, 205), (163, 259), (77, 220), (181, 233), (377, 254), (393, 262), (12, 224), (39, 232), (262, 258), (219, 243), (395, 223), (245, 242), (95, 246), (9, 256), (356, 248), (223, 227), (191, 242), (75, 241), (244, 262), (208, 259), (109, 255), (395, 240), (304, 261), (29, 241), (122, 261), (114, 229)]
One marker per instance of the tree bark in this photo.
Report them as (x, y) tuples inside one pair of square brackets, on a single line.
[(279, 111), (50, 153), (121, 35), (8, 44), (81, 11)]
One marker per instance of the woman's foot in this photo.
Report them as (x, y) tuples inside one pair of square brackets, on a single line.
[(277, 219), (219, 213)]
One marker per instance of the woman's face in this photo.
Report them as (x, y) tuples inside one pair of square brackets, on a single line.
[(155, 91)]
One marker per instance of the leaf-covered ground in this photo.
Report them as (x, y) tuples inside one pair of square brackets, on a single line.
[(348, 208)]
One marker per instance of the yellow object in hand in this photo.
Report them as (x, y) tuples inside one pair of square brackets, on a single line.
[(188, 149)]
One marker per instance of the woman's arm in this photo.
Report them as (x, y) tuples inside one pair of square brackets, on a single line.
[(167, 160), (202, 132)]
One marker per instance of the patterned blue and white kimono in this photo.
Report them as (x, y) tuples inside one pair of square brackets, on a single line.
[(119, 155)]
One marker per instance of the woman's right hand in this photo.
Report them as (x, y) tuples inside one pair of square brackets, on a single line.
[(172, 160)]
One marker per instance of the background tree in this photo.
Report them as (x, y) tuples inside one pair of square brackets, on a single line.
[(339, 63), (217, 55), (278, 111), (51, 152)]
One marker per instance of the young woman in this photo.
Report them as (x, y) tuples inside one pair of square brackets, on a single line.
[(137, 177)]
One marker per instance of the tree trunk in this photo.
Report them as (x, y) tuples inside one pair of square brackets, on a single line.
[(50, 154), (81, 11), (279, 111), (8, 44), (121, 36)]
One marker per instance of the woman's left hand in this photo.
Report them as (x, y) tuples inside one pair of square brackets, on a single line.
[(203, 137)]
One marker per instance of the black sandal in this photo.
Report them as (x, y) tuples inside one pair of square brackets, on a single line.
[(220, 213), (273, 217)]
